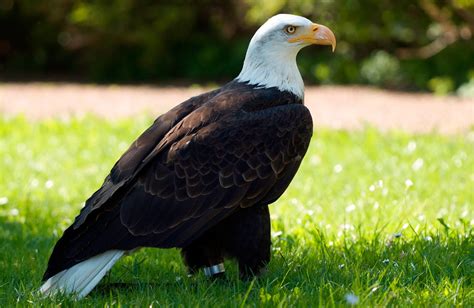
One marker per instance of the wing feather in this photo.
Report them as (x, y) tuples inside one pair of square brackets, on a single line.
[(247, 171)]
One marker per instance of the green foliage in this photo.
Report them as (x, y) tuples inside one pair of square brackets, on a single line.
[(441, 85), (206, 40), (378, 219), (381, 69)]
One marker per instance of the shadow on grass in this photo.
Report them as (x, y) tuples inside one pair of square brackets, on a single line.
[(439, 262)]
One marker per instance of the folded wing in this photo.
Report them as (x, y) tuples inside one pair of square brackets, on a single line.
[(193, 179)]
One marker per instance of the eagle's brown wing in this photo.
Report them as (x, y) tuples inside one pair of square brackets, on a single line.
[(203, 177), (125, 168)]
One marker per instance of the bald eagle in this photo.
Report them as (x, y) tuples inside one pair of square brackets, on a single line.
[(202, 176)]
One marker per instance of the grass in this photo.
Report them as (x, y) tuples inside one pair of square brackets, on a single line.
[(371, 218)]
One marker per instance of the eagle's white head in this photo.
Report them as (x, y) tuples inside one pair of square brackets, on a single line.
[(271, 56)]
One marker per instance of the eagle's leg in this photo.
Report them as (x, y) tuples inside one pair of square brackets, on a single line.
[(244, 236), (205, 252), (248, 239)]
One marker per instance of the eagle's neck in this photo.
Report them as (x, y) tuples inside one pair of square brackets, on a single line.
[(272, 67)]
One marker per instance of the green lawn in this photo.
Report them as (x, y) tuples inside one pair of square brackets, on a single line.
[(374, 218)]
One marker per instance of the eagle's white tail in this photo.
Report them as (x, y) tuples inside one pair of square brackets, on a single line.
[(82, 277)]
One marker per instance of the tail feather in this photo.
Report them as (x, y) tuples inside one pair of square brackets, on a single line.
[(81, 278)]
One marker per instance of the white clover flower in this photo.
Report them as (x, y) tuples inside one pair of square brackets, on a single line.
[(417, 164), (338, 168), (3, 200), (411, 147), (351, 207), (351, 299), (34, 183), (49, 184)]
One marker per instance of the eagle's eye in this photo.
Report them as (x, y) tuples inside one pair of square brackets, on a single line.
[(290, 29)]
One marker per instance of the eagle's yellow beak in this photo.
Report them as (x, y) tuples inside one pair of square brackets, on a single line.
[(317, 35)]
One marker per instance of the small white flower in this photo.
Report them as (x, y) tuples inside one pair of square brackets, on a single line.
[(338, 168), (372, 188), (34, 183), (417, 164), (294, 201), (443, 211), (351, 207), (408, 183), (315, 160), (277, 234), (351, 299), (411, 147), (49, 184), (346, 227), (3, 200), (14, 212)]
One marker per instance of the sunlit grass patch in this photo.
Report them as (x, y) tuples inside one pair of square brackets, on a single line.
[(371, 218)]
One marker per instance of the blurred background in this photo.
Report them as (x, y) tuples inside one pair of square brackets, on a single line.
[(421, 45), (381, 211)]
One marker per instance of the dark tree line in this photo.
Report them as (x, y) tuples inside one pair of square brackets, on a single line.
[(421, 44)]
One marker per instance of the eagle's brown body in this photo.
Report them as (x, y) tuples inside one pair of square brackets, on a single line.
[(200, 178)]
